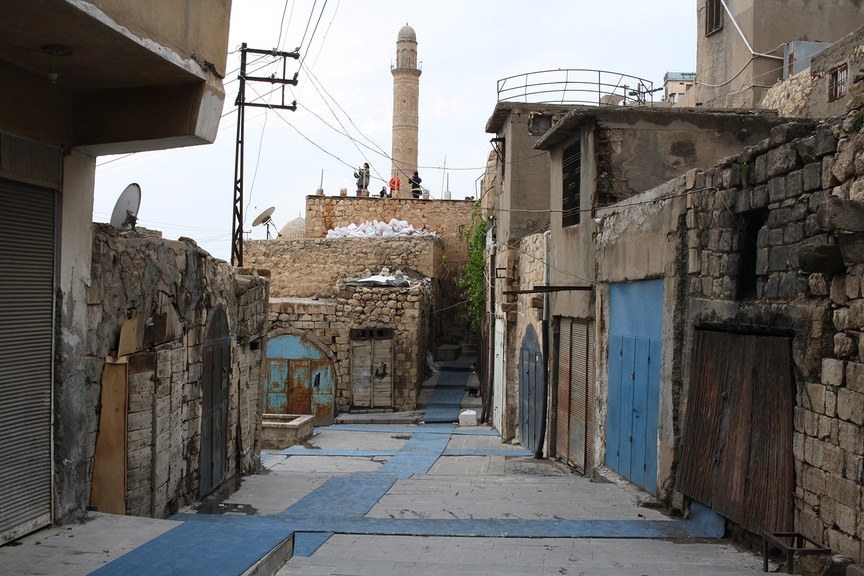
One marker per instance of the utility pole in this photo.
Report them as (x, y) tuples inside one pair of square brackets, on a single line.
[(241, 103)]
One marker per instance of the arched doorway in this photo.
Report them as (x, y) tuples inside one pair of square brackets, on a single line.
[(300, 379), (214, 403), (531, 397)]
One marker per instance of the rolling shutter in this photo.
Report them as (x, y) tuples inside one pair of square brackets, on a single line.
[(27, 248)]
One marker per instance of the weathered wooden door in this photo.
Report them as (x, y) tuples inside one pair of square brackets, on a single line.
[(214, 403), (633, 405), (575, 393), (300, 379), (531, 397), (736, 448), (372, 368)]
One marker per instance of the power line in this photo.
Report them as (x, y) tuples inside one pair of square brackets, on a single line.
[(311, 38), (282, 22)]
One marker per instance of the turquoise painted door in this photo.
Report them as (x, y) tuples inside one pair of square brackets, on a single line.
[(300, 379), (633, 404)]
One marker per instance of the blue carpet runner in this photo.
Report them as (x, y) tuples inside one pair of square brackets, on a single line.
[(446, 401), (219, 545)]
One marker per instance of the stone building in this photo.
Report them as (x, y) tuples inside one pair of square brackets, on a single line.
[(177, 343), (597, 156), (335, 346), (827, 86), (706, 343), (740, 43), (406, 101), (78, 69)]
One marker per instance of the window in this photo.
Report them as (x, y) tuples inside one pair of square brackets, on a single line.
[(750, 224), (837, 82), (572, 161), (713, 16), (540, 124)]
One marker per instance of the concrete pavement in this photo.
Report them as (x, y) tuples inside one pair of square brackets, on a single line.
[(412, 480)]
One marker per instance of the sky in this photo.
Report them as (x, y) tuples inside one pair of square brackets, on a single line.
[(345, 99)]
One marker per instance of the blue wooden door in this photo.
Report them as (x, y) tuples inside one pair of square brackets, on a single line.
[(633, 405)]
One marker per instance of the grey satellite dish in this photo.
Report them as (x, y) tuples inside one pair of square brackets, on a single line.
[(125, 213), (264, 218)]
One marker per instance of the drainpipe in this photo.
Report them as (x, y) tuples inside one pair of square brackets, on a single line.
[(490, 361), (544, 330), (741, 33)]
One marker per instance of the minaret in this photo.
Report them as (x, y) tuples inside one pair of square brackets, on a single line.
[(406, 96)]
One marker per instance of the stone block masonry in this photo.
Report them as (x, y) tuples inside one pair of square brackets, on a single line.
[(176, 287), (313, 268), (772, 246), (405, 311), (449, 219)]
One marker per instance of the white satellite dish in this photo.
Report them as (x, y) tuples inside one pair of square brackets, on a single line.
[(126, 209), (264, 218)]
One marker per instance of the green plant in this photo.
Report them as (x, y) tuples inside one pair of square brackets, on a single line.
[(473, 281), (857, 122), (116, 259), (743, 169)]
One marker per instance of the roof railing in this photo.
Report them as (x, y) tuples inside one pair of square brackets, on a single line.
[(577, 87)]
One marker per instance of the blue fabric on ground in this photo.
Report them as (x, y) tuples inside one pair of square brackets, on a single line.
[(227, 545), (447, 428), (352, 453), (199, 549), (485, 452), (341, 497), (417, 456), (446, 401)]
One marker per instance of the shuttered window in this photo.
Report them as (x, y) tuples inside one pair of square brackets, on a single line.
[(27, 249)]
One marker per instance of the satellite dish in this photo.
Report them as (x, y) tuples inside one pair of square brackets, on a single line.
[(264, 218), (126, 209)]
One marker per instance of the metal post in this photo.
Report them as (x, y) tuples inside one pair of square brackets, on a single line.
[(239, 154), (237, 221)]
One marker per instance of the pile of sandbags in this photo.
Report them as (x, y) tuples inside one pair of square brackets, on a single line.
[(376, 229)]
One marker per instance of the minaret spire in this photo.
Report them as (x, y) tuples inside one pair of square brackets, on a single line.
[(406, 119)]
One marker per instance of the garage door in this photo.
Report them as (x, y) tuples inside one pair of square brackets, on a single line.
[(27, 246)]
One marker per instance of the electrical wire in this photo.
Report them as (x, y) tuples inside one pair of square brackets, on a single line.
[(282, 23), (311, 38)]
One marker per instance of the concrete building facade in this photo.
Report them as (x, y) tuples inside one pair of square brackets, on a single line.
[(90, 78)]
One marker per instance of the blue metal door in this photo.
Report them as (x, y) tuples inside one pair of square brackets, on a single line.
[(633, 405), (531, 396), (300, 379)]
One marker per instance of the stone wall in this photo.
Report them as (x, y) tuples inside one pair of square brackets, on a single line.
[(328, 323), (449, 219), (174, 288), (314, 268), (807, 183)]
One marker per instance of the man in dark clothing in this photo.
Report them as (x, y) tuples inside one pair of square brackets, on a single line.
[(416, 190)]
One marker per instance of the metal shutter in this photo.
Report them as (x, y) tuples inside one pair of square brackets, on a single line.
[(27, 248), (578, 395), (563, 428)]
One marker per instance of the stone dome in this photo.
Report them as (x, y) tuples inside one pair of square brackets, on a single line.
[(294, 229), (407, 33)]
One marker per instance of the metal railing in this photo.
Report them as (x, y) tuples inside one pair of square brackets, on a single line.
[(577, 87)]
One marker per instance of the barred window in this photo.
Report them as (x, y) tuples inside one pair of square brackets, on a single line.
[(837, 82), (713, 16)]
